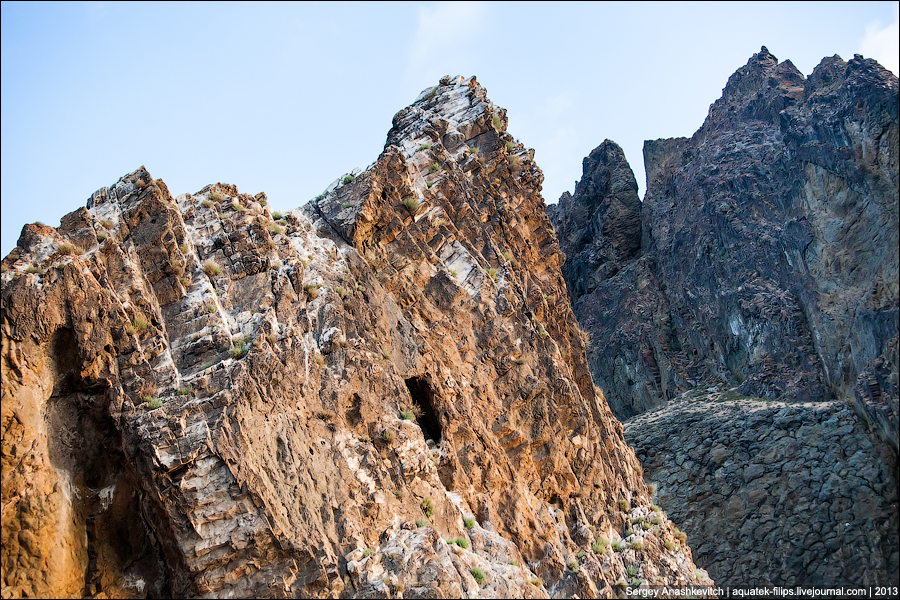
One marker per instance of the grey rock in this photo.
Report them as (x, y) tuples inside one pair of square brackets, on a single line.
[(769, 253), (775, 520)]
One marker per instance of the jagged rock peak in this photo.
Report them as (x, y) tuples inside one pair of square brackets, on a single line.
[(383, 392), (763, 303), (600, 226), (448, 113), (760, 89)]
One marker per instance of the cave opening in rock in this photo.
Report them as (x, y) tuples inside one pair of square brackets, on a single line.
[(423, 397)]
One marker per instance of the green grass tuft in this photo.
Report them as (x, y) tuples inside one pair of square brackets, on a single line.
[(239, 351), (412, 205), (599, 547), (211, 268), (427, 504)]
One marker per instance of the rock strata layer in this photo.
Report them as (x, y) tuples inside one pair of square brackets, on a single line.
[(766, 265), (381, 394)]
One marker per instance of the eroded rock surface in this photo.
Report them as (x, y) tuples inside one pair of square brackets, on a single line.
[(774, 493), (382, 394), (768, 266), (768, 257)]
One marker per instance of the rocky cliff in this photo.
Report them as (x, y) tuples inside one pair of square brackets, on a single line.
[(383, 393), (774, 493), (762, 261)]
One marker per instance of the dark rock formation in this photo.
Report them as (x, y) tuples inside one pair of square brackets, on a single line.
[(602, 228), (774, 493), (383, 393), (769, 245), (768, 264)]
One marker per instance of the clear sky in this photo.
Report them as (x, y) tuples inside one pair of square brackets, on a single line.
[(285, 98)]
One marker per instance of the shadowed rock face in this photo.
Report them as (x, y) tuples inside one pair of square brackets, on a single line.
[(769, 254), (203, 397), (769, 265), (602, 223)]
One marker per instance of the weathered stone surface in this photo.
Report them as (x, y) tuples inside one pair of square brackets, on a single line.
[(203, 398), (769, 247), (602, 228), (774, 493), (768, 265)]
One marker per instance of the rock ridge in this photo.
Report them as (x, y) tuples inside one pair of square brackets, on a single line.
[(380, 394), (768, 273)]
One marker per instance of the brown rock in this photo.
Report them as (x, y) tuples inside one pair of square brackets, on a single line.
[(211, 402)]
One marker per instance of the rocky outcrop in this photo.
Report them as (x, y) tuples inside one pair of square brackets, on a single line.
[(774, 493), (381, 394), (602, 228), (769, 246), (768, 266)]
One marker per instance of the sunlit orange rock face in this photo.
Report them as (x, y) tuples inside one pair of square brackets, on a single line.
[(383, 393)]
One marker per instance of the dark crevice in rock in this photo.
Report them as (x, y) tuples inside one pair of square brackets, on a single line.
[(86, 446), (423, 396)]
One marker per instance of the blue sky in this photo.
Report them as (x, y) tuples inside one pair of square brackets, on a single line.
[(285, 98)]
